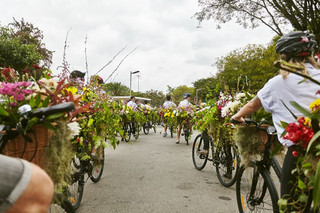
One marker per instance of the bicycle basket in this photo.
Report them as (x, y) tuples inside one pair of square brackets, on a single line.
[(34, 151), (252, 142)]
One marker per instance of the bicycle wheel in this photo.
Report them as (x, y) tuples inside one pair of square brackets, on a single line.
[(145, 128), (227, 165), (199, 160), (137, 133), (256, 191), (186, 135), (98, 165), (127, 132), (171, 131), (75, 190), (56, 208)]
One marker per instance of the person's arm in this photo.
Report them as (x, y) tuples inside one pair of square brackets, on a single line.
[(251, 107)]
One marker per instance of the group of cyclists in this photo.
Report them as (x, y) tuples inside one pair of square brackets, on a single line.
[(24, 187)]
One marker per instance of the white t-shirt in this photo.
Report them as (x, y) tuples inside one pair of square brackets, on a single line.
[(183, 103), (132, 104), (168, 105), (278, 90)]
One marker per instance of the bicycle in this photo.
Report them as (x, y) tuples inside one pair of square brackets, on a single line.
[(255, 188), (147, 126), (129, 128), (186, 130), (92, 167), (8, 133), (224, 156)]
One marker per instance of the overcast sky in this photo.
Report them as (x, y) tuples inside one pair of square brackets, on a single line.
[(171, 50)]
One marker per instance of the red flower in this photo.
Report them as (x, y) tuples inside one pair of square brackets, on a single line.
[(295, 154), (26, 70), (36, 66), (8, 73)]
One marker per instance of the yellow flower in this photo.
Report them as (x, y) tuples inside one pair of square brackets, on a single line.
[(315, 105), (73, 90), (307, 122)]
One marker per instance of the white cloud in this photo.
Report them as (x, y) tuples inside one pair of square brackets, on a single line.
[(171, 49)]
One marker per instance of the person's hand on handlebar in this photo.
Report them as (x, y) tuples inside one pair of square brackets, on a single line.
[(237, 120)]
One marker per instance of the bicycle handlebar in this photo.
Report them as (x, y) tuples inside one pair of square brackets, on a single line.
[(45, 111)]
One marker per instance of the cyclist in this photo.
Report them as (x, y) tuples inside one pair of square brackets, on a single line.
[(134, 106), (167, 105), (24, 187), (185, 103), (296, 48), (132, 103)]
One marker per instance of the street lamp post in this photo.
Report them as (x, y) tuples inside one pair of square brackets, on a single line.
[(132, 73), (138, 81)]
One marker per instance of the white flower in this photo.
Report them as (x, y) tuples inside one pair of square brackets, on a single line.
[(75, 128), (240, 95)]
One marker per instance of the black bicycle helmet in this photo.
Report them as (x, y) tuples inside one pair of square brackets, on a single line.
[(297, 43), (77, 74), (186, 95)]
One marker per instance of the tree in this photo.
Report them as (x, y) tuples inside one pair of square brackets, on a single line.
[(178, 92), (205, 86), (116, 89), (246, 68), (21, 46), (27, 33), (275, 14), (157, 97)]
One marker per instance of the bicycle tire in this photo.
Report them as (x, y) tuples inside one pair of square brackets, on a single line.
[(154, 128), (127, 132), (145, 128), (171, 131), (98, 165), (56, 208), (264, 197), (186, 135), (199, 161), (76, 194), (137, 132), (227, 176)]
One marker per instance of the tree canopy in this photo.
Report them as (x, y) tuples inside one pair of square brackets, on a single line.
[(275, 14), (248, 68), (116, 89), (21, 46)]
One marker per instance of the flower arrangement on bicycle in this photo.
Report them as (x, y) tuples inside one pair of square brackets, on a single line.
[(304, 133)]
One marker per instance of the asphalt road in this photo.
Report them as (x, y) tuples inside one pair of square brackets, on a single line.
[(153, 174)]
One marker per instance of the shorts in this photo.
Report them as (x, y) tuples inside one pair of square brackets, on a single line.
[(15, 175)]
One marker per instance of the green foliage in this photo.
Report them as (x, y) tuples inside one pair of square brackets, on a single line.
[(177, 93), (21, 46), (248, 68), (16, 55), (116, 89)]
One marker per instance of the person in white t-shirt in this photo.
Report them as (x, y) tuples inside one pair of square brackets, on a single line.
[(184, 103), (167, 105), (132, 103), (297, 48)]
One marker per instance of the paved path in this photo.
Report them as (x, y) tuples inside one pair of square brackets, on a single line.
[(153, 174)]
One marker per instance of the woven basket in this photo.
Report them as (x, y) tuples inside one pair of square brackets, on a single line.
[(40, 141)]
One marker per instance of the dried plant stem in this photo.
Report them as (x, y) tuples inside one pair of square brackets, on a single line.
[(293, 69), (86, 58)]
